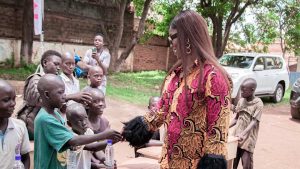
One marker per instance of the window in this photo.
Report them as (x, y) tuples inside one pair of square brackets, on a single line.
[(270, 63), (260, 61), (277, 63), (236, 61)]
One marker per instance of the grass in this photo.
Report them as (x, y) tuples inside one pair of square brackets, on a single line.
[(285, 99), (21, 73), (135, 87)]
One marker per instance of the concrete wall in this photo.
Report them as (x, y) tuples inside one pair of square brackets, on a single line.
[(11, 48), (71, 26)]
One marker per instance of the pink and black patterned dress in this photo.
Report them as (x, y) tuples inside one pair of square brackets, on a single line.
[(195, 126)]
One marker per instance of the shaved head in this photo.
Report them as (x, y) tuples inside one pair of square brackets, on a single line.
[(95, 69), (4, 85), (154, 99), (52, 91), (98, 103), (250, 83), (74, 110), (77, 118), (48, 82), (248, 89), (7, 99), (95, 92), (67, 55), (95, 76)]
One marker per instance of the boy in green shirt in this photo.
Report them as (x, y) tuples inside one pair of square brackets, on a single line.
[(51, 137)]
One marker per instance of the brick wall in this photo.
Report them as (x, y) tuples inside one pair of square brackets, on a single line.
[(67, 21), (72, 26), (153, 55)]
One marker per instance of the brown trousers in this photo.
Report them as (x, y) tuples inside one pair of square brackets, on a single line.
[(247, 159)]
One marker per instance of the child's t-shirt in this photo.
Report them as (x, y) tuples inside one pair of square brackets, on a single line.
[(71, 85), (50, 136), (248, 111), (83, 157), (15, 133)]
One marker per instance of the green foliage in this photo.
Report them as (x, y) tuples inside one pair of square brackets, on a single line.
[(20, 73), (293, 29), (139, 5), (163, 13), (272, 19)]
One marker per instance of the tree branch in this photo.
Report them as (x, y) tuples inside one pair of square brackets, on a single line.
[(135, 38)]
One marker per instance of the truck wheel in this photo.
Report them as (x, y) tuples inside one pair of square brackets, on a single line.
[(278, 94)]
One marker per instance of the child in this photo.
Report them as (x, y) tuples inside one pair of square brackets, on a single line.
[(152, 107), (155, 140), (51, 137), (247, 119), (95, 76), (98, 55), (72, 88), (97, 122), (78, 121), (13, 132), (50, 61)]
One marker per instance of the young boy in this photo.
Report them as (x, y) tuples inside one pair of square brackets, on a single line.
[(13, 132), (97, 122), (155, 140), (51, 137), (50, 61), (98, 55), (78, 121), (72, 88), (247, 119), (95, 76)]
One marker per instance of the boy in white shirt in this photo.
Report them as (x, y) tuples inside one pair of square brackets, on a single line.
[(13, 132), (77, 119)]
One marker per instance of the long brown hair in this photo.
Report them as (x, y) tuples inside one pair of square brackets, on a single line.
[(192, 28)]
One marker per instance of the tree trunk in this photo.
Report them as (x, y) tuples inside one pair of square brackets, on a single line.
[(27, 32), (219, 38), (226, 36), (135, 38), (118, 35)]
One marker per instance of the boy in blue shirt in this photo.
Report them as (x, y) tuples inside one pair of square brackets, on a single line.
[(51, 137)]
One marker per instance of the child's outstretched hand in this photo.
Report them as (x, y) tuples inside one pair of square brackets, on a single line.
[(112, 134)]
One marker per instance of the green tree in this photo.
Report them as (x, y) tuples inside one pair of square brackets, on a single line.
[(223, 14), (261, 31), (114, 43), (288, 15)]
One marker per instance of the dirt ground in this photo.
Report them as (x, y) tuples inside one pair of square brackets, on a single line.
[(278, 145)]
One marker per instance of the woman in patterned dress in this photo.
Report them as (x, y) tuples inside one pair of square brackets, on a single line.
[(194, 105)]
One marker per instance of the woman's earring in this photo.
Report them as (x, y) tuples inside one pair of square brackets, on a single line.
[(188, 47)]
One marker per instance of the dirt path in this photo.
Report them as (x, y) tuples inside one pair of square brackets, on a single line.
[(278, 145)]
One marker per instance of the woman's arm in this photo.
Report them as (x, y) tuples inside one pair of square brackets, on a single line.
[(217, 101)]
